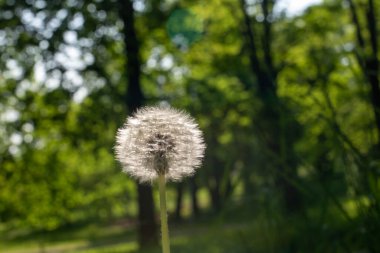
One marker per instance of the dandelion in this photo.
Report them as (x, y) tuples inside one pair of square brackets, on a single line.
[(160, 143)]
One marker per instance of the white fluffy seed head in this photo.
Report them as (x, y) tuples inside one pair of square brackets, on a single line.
[(159, 140)]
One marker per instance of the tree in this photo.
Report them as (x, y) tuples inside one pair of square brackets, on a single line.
[(367, 52), (95, 80), (134, 99), (275, 123)]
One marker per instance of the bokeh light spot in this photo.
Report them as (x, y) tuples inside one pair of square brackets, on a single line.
[(184, 28)]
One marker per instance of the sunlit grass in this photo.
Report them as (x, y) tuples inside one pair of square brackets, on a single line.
[(187, 237), (119, 236), (236, 229)]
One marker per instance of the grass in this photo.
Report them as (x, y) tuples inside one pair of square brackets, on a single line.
[(186, 237), (227, 232), (243, 226)]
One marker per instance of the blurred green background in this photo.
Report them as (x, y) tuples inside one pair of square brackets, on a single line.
[(286, 92)]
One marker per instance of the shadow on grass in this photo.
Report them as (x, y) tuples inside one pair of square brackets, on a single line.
[(207, 236), (71, 238)]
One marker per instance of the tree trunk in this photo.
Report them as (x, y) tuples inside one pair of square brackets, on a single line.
[(215, 178), (179, 201), (215, 198), (194, 198), (367, 55), (373, 63), (271, 115), (147, 231)]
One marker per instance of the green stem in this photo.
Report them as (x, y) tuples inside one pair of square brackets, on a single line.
[(163, 212)]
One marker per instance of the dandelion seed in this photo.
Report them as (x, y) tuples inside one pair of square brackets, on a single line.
[(159, 140)]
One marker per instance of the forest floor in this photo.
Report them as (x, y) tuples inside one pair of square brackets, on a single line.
[(236, 229), (188, 236)]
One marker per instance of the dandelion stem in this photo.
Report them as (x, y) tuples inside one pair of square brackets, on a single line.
[(164, 218)]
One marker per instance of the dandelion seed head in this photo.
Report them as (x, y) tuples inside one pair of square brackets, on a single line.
[(159, 140)]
